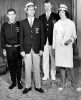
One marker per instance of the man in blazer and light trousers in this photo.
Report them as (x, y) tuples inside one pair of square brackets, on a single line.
[(32, 45), (48, 19)]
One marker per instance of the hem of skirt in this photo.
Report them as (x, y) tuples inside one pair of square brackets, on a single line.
[(65, 66)]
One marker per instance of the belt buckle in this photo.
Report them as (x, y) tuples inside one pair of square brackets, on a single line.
[(15, 45), (12, 45)]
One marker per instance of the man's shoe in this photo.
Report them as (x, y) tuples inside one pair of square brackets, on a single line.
[(20, 86), (39, 90), (45, 78), (53, 78), (12, 86), (26, 90), (60, 88), (78, 89)]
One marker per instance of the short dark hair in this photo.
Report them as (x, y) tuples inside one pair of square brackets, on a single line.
[(67, 14), (47, 1), (11, 9)]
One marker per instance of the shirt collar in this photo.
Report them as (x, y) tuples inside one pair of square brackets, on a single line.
[(31, 18), (11, 22), (48, 13)]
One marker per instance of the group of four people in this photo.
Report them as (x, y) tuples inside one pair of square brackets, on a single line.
[(32, 37)]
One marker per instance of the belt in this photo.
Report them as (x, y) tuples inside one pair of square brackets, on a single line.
[(16, 45)]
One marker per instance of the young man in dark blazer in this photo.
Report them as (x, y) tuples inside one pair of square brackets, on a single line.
[(10, 43), (48, 19), (32, 45)]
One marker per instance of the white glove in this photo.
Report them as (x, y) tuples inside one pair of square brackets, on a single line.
[(23, 54), (4, 52), (41, 53)]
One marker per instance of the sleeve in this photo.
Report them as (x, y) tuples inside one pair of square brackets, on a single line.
[(3, 43), (42, 35), (73, 36), (54, 37), (21, 37)]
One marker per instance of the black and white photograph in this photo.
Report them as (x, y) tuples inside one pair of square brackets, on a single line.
[(40, 49)]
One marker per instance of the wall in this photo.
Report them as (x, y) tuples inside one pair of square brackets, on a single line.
[(79, 26)]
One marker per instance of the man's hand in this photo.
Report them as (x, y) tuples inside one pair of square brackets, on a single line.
[(53, 52), (68, 42), (4, 52), (23, 54), (41, 53)]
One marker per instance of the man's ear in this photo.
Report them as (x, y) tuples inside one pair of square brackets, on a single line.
[(7, 15), (51, 6), (26, 11), (15, 15)]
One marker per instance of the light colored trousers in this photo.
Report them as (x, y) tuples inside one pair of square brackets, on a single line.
[(48, 52), (32, 60)]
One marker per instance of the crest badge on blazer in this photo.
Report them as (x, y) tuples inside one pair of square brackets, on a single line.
[(37, 30), (17, 28)]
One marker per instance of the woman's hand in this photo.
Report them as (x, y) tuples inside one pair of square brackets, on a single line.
[(22, 54), (68, 42)]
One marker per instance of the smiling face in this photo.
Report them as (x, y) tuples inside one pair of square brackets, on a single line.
[(47, 7), (11, 16), (62, 14)]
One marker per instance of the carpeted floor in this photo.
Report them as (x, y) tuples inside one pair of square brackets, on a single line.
[(50, 87)]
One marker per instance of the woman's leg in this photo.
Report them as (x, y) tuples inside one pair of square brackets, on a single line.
[(63, 73), (72, 77)]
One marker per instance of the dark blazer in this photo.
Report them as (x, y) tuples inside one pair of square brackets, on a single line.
[(31, 37), (48, 26)]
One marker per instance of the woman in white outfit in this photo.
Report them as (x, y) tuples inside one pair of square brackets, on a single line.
[(64, 35)]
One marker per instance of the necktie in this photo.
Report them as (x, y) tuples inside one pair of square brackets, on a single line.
[(47, 16), (31, 23)]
